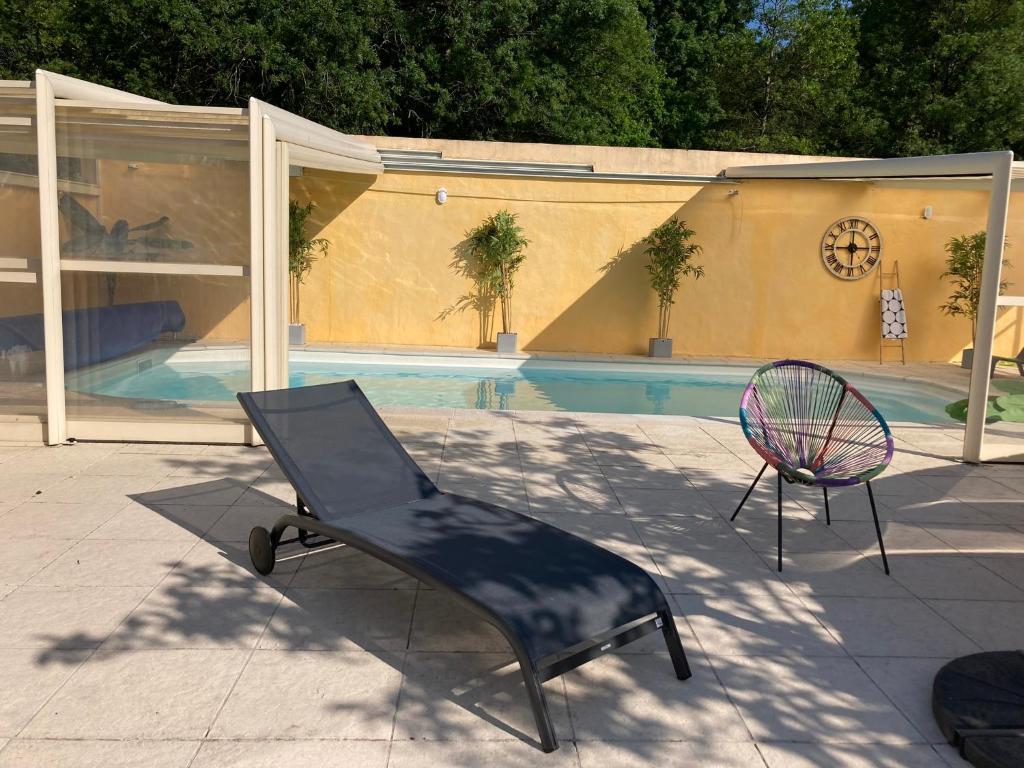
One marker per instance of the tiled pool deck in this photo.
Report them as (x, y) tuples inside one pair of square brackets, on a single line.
[(135, 634)]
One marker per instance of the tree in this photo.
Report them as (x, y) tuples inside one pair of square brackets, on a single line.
[(788, 81), (317, 59), (946, 74), (686, 36), (567, 71)]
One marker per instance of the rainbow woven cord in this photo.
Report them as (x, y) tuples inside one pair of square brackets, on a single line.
[(813, 426)]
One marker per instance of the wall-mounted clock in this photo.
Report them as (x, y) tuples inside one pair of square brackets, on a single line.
[(851, 248)]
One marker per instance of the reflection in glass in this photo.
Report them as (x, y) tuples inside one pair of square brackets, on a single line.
[(22, 367)]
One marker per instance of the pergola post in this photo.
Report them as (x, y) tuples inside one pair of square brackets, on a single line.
[(991, 276)]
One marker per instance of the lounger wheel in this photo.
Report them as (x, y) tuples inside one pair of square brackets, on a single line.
[(261, 550)]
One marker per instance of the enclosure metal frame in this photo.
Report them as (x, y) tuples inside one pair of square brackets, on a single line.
[(276, 138)]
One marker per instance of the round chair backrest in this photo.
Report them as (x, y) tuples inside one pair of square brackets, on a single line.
[(814, 426)]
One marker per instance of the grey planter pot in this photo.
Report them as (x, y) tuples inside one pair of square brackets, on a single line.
[(659, 348), (507, 343), (296, 334), (967, 361)]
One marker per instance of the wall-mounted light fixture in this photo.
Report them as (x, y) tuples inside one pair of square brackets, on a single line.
[(732, 193), (441, 196), (927, 212)]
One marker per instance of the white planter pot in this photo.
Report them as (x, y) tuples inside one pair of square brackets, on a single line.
[(507, 343), (296, 334), (659, 348)]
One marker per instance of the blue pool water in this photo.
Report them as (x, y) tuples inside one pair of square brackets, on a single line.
[(681, 390)]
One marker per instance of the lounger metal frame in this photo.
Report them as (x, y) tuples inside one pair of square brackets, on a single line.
[(263, 546), (313, 532)]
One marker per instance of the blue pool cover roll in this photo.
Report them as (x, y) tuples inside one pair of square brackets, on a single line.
[(95, 334)]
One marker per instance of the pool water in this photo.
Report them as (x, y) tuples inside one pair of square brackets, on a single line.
[(549, 386)]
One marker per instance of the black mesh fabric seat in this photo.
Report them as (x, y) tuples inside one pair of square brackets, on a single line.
[(559, 600)]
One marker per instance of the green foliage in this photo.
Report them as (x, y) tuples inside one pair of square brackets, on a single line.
[(302, 250), (669, 253), (965, 259), (850, 77), (945, 75), (497, 247), (788, 81)]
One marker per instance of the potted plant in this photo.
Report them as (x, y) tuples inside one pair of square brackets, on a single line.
[(497, 245), (302, 252), (669, 253), (965, 258)]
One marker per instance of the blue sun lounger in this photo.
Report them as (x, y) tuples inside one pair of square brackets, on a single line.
[(559, 600)]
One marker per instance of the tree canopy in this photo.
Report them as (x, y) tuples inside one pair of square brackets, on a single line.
[(853, 77)]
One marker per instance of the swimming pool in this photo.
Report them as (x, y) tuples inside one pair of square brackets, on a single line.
[(474, 383)]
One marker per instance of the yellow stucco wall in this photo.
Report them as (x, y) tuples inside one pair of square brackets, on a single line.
[(388, 278)]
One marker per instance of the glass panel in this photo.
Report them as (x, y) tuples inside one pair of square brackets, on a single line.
[(1004, 426), (164, 191), (22, 368), (169, 347)]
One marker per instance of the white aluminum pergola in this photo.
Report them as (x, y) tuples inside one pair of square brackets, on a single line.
[(995, 171), (276, 139)]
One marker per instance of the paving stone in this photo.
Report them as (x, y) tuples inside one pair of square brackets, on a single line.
[(167, 522), (811, 699), (312, 695), (22, 559), (24, 753), (637, 697), (849, 755), (64, 617), (341, 620), (756, 625), (908, 683), (343, 567), (283, 754), (994, 626), (441, 624), (176, 615), (951, 577), (472, 696), (31, 520), (105, 563), (31, 676), (717, 573), (889, 627), (472, 754), (167, 694)]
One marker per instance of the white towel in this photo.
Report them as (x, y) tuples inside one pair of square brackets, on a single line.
[(894, 315)]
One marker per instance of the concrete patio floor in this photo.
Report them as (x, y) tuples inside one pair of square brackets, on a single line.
[(135, 633)]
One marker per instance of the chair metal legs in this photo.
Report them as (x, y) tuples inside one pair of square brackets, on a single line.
[(878, 528), (780, 522), (749, 491), (828, 514)]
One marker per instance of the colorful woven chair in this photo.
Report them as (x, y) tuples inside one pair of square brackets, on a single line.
[(815, 429)]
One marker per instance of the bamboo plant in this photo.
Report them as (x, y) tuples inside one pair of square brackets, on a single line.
[(302, 252), (965, 259), (669, 253), (498, 245)]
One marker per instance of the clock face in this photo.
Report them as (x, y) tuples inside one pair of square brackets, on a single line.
[(851, 248)]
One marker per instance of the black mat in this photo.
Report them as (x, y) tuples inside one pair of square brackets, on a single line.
[(978, 702)]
